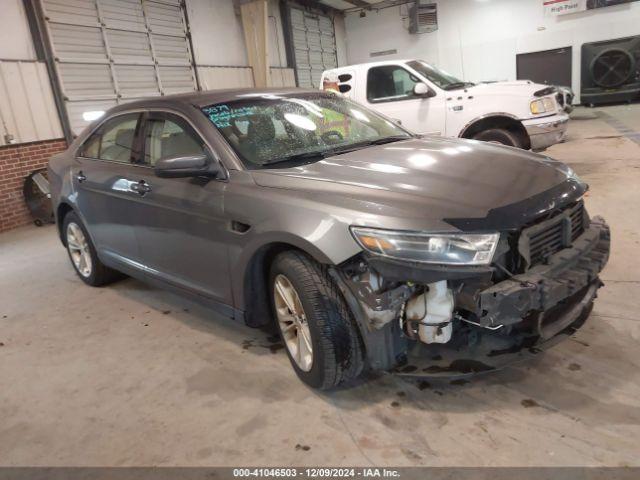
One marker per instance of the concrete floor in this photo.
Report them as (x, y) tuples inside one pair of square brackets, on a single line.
[(131, 375)]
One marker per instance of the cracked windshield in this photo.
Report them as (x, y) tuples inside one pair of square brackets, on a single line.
[(284, 131)]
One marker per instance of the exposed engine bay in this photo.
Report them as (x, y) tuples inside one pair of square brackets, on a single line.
[(431, 319)]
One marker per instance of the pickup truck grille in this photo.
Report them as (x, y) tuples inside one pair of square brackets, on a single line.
[(540, 241)]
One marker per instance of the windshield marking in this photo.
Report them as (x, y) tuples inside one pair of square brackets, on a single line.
[(221, 115), (298, 130)]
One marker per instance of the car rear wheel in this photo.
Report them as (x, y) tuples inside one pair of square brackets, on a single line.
[(499, 135), (316, 326), (83, 254)]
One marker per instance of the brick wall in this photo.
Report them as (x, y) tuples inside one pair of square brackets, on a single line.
[(16, 163)]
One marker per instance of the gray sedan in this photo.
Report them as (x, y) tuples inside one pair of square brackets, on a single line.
[(364, 245)]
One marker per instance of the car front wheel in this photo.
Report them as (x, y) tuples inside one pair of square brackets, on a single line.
[(316, 325), (500, 136)]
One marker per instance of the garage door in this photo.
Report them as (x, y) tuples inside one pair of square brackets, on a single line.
[(113, 51), (314, 45), (551, 67)]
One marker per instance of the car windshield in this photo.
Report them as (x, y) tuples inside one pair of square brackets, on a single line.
[(441, 78), (270, 130)]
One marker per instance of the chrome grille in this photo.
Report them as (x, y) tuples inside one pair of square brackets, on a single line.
[(540, 241)]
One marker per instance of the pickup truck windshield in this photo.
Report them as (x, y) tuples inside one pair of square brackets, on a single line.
[(291, 130), (437, 76)]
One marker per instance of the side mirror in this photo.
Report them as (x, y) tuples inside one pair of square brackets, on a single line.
[(181, 166), (422, 90)]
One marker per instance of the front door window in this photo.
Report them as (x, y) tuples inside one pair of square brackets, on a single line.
[(168, 138), (390, 83)]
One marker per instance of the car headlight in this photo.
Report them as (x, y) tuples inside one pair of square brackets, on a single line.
[(441, 248), (570, 173), (543, 105), (564, 168)]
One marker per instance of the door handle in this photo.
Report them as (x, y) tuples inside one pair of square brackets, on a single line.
[(141, 188), (81, 177)]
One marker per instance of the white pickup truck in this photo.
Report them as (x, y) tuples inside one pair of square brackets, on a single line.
[(429, 101)]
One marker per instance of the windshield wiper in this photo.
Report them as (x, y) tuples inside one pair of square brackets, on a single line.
[(367, 143), (339, 150), (455, 85), (299, 156), (390, 139)]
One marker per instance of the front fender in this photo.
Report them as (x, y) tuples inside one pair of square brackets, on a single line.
[(487, 116), (242, 260), (280, 217)]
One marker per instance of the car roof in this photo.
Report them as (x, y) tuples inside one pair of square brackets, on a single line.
[(210, 97), (372, 64)]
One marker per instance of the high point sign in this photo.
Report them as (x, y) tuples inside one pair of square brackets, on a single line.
[(562, 7)]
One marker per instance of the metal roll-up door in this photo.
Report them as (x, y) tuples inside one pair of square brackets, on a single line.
[(314, 45), (113, 51)]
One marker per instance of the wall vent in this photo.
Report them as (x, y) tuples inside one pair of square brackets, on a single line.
[(423, 17), (382, 53)]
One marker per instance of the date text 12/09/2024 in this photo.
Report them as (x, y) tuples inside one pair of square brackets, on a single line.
[(316, 473)]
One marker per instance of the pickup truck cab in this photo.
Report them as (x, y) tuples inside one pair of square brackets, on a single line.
[(427, 100)]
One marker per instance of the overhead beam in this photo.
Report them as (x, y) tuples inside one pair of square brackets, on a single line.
[(381, 5), (337, 5), (254, 24), (360, 3)]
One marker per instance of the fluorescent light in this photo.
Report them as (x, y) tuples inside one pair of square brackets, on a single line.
[(92, 115)]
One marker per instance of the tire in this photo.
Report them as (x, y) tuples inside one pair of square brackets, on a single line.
[(96, 274), (337, 350), (498, 135)]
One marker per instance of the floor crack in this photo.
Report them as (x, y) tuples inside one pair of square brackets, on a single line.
[(617, 317), (353, 439), (621, 281)]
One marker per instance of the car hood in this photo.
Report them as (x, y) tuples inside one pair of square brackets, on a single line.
[(519, 88), (467, 184)]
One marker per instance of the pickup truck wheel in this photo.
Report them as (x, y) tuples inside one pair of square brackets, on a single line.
[(499, 135), (316, 326), (83, 253)]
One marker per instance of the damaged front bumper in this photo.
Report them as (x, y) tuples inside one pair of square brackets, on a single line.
[(545, 132), (493, 325), (479, 350), (544, 286)]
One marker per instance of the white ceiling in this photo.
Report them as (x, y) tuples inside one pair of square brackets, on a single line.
[(346, 4)]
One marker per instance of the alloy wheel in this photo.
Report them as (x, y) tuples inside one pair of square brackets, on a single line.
[(79, 250), (293, 324)]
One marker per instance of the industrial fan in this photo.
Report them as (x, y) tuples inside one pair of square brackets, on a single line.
[(611, 71)]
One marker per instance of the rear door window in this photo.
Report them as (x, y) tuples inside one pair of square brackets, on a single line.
[(114, 140)]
